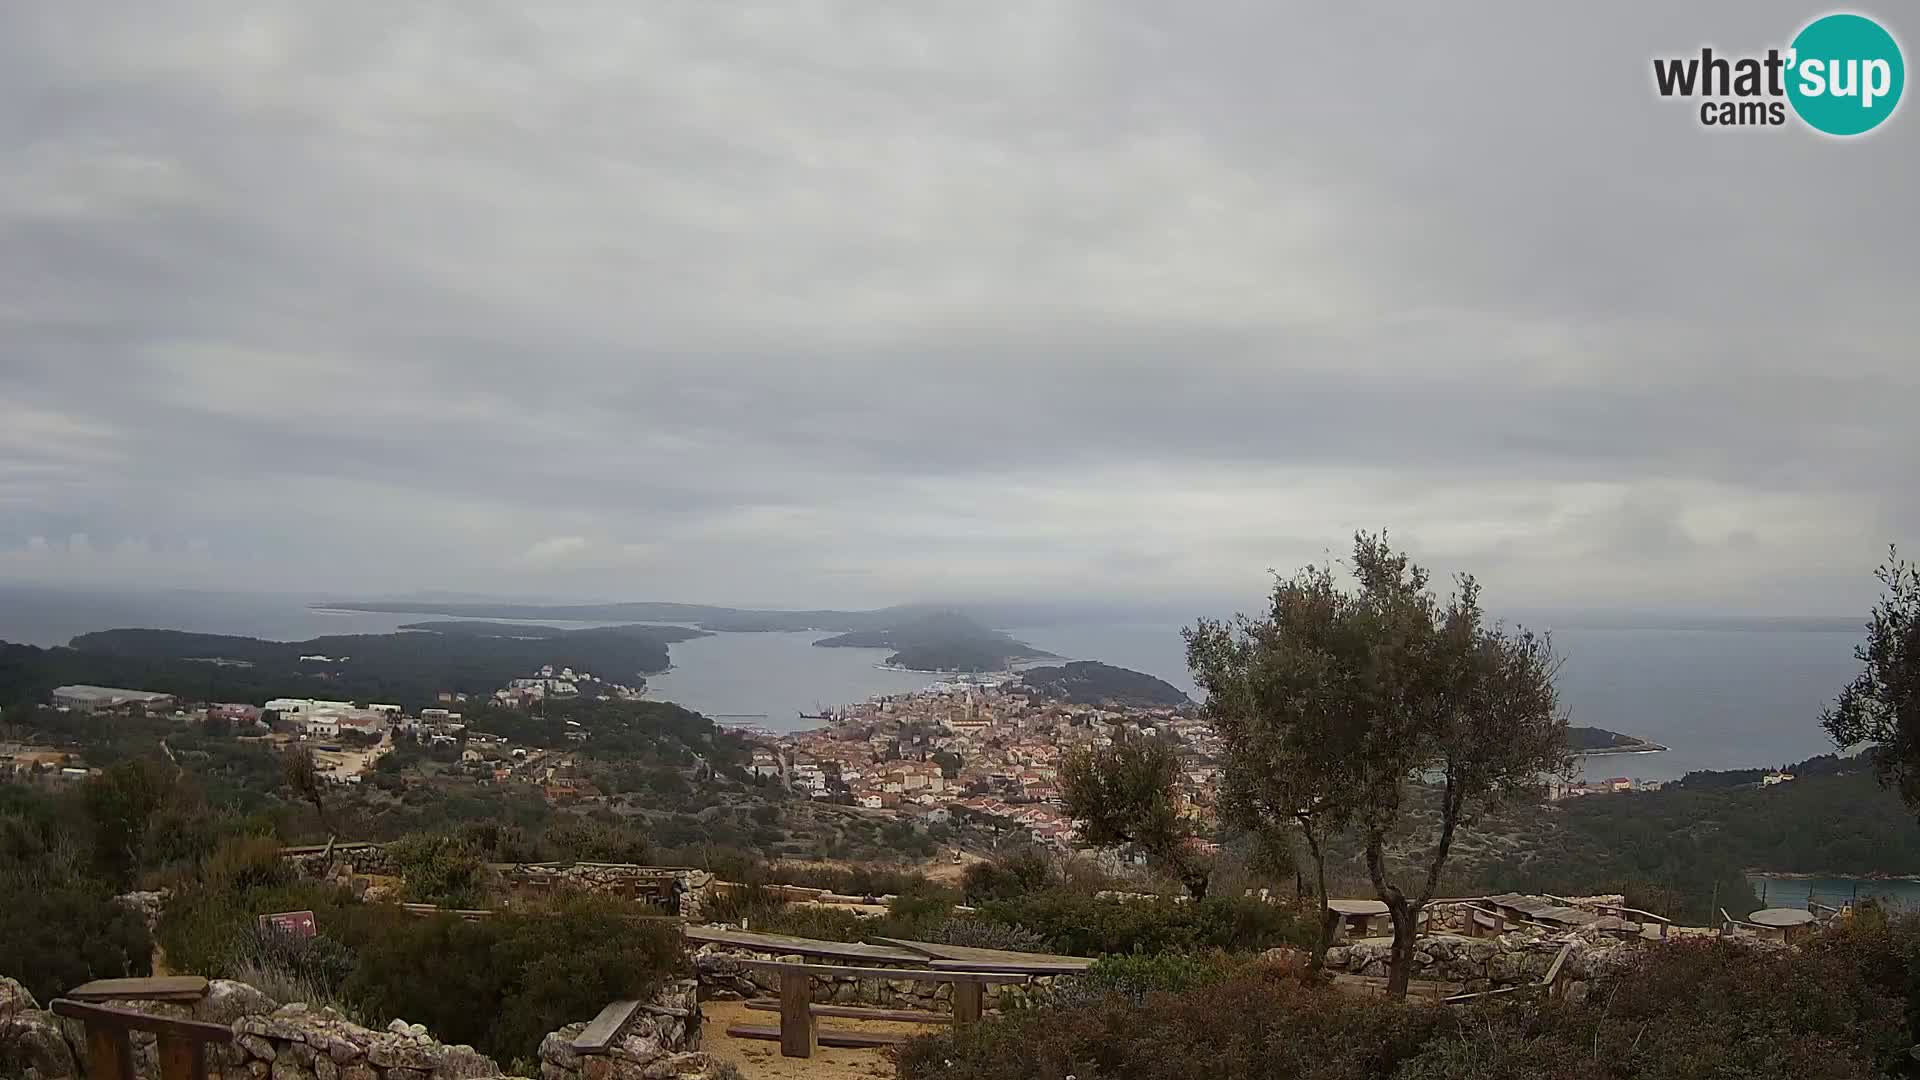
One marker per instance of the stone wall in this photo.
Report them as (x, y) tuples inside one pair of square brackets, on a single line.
[(723, 978), (351, 864), (1488, 963), (299, 1042)]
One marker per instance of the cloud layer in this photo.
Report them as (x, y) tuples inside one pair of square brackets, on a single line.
[(831, 303)]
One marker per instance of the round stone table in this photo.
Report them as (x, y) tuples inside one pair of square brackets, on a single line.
[(1791, 922)]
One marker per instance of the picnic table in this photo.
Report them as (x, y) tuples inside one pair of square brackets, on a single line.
[(1356, 916), (1540, 909), (799, 1032)]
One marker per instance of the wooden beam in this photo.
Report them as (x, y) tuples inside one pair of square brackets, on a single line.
[(102, 1017), (1016, 968), (857, 1040), (912, 974), (855, 1012), (799, 1032), (162, 988), (604, 1028)]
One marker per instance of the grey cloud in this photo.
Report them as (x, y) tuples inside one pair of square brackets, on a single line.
[(798, 303)]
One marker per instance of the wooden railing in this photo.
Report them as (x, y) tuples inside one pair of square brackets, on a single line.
[(182, 1043)]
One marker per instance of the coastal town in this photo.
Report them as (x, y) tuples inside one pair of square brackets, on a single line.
[(985, 744)]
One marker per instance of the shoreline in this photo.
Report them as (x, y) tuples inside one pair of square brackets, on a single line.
[(1639, 748), (1780, 875)]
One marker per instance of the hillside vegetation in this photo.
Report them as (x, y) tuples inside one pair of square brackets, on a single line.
[(408, 669)]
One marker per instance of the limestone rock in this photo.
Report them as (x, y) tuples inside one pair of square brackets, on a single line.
[(15, 996), (35, 1038), (227, 1001)]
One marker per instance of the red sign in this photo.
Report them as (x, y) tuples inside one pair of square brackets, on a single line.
[(292, 923)]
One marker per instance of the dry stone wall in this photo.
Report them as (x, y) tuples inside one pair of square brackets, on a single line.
[(661, 1040), (1489, 963), (299, 1042), (352, 864)]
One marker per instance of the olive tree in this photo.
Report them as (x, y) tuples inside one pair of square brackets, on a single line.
[(1272, 696), (1360, 704), (1127, 793), (1880, 708)]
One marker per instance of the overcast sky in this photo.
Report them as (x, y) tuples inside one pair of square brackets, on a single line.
[(847, 304)]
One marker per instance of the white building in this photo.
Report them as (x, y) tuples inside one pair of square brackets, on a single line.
[(85, 698)]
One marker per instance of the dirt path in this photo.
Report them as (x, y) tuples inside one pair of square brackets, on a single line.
[(760, 1059)]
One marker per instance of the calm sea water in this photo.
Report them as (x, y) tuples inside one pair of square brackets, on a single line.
[(1834, 892), (1719, 699)]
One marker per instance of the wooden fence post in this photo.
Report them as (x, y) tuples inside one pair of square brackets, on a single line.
[(798, 1034)]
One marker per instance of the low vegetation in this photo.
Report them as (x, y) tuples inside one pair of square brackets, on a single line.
[(1705, 1009)]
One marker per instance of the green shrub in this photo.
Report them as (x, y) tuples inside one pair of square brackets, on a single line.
[(1260, 1025), (1084, 926), (1698, 1010), (57, 935), (1009, 876), (812, 921), (1134, 977), (981, 934), (245, 862), (501, 984), (442, 868)]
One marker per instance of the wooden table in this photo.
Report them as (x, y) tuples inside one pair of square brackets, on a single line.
[(1791, 922)]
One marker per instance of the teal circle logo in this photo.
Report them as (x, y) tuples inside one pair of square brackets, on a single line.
[(1845, 74)]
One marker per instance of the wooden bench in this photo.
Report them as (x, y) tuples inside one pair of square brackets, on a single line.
[(799, 1031), (182, 1043), (160, 988)]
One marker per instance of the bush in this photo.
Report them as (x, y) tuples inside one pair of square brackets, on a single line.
[(55, 936), (241, 863), (1681, 1011), (1134, 977), (1260, 1025), (1008, 877), (501, 984), (981, 934), (1085, 926), (443, 869)]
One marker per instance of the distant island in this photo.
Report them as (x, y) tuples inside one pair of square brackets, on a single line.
[(940, 641), (1089, 682), (1595, 741), (409, 668), (704, 616)]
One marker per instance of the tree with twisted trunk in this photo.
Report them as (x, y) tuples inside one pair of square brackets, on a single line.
[(1342, 700)]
